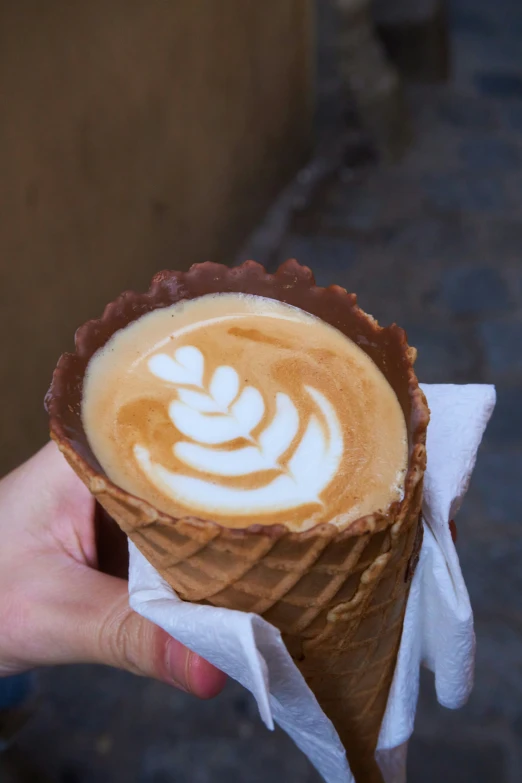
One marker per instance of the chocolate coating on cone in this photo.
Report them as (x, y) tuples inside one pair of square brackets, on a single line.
[(338, 596)]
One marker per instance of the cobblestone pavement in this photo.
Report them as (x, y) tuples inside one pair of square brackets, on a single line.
[(434, 242)]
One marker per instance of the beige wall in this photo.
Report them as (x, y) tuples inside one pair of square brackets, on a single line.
[(134, 136)]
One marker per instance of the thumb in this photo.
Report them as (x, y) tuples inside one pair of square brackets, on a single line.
[(94, 623)]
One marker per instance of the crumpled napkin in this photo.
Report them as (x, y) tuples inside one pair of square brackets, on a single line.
[(438, 626)]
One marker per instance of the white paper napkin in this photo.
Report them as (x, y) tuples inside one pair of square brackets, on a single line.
[(438, 626)]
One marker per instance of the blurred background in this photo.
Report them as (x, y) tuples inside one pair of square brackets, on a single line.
[(378, 142)]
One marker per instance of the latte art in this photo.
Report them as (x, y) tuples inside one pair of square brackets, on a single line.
[(244, 410), (224, 414)]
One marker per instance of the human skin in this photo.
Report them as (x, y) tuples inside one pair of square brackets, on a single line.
[(56, 607)]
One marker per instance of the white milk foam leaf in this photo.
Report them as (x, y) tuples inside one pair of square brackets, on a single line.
[(186, 367), (224, 386), (273, 442)]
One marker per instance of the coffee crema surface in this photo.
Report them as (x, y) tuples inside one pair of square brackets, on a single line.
[(245, 410)]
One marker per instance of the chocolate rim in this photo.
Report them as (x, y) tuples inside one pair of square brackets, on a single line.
[(293, 284)]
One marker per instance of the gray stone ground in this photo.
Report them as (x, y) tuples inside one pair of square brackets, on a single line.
[(434, 242)]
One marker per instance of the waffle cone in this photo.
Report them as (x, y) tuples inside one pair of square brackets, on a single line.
[(337, 595)]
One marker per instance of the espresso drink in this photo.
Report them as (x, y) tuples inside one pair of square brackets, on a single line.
[(245, 410)]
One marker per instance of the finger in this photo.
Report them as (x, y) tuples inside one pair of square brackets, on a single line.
[(128, 641), (93, 623)]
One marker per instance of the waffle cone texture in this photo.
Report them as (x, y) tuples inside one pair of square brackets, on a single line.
[(337, 595)]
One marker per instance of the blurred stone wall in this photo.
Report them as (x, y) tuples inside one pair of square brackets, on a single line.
[(134, 136)]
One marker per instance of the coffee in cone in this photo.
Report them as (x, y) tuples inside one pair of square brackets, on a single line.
[(262, 442)]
